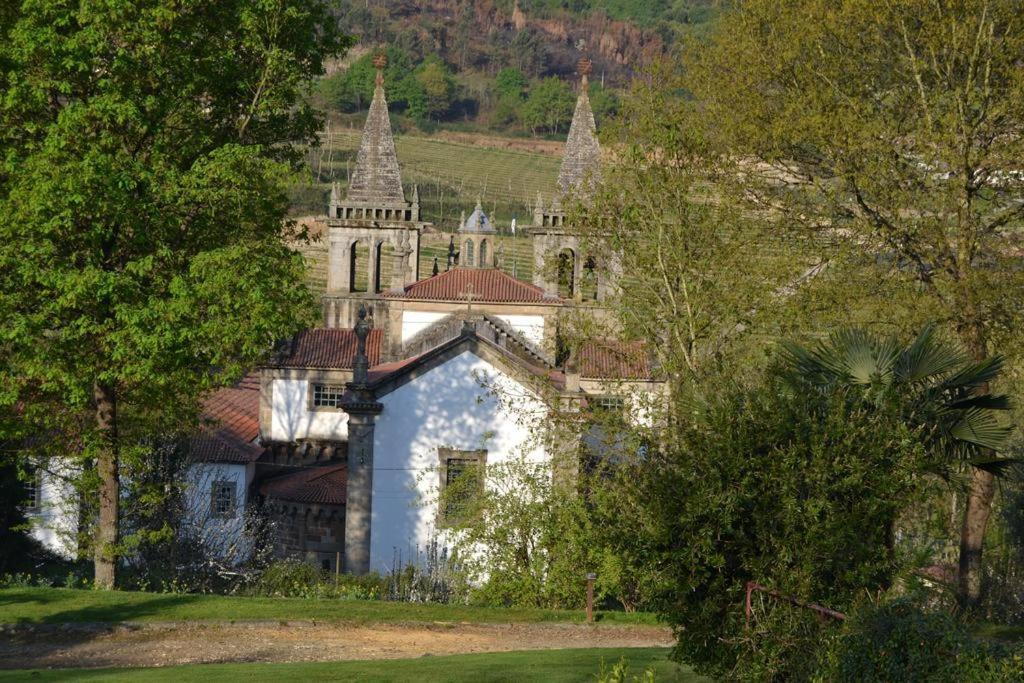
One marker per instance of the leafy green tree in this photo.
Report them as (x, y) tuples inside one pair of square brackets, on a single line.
[(890, 128), (146, 150), (351, 90), (510, 82), (549, 106), (771, 485), (438, 86), (603, 101)]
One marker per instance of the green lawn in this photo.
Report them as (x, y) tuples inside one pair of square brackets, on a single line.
[(62, 605), (555, 666)]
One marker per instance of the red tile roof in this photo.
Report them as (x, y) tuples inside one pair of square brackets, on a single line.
[(329, 348), (232, 423), (322, 485), (488, 285), (608, 359)]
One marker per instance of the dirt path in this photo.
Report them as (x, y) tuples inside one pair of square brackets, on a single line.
[(167, 644)]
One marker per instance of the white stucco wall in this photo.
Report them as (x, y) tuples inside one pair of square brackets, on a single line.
[(455, 405), (55, 523), (291, 418), (530, 326), (414, 322), (224, 537)]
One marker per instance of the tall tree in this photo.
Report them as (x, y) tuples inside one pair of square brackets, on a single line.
[(146, 147), (892, 128)]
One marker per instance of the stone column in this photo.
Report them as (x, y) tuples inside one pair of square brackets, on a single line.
[(359, 492)]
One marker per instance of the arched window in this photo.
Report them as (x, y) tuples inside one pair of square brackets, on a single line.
[(483, 253), (566, 273), (467, 253), (359, 266)]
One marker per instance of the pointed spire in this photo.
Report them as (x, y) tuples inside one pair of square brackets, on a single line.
[(376, 177), (582, 150)]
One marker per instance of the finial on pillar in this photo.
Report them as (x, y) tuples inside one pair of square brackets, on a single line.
[(435, 270), (335, 201), (361, 363), (416, 196), (584, 67), (380, 62), (462, 220), (451, 253)]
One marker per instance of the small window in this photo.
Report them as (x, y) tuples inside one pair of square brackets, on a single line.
[(327, 395), (34, 491), (608, 404), (467, 253), (222, 499), (462, 481)]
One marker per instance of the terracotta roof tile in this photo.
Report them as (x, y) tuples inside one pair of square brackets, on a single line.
[(322, 485), (489, 285), (607, 359), (333, 348), (232, 424)]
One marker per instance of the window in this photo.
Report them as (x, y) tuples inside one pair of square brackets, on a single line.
[(608, 404), (467, 253), (34, 491), (483, 254), (462, 481), (222, 499), (327, 395)]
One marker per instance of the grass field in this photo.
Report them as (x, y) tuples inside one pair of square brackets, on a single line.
[(555, 666), (62, 605)]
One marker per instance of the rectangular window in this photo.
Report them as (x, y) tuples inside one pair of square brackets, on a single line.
[(327, 395), (34, 491), (608, 404), (222, 499), (462, 482)]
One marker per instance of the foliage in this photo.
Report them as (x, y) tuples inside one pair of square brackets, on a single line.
[(510, 82), (932, 384), (899, 641), (129, 132), (296, 579), (548, 107), (620, 673), (780, 488), (524, 539)]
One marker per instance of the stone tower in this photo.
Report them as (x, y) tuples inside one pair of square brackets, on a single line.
[(557, 255), (374, 227)]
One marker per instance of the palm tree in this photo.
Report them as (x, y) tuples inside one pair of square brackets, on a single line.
[(935, 388)]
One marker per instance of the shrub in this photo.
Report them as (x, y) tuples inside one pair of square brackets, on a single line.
[(296, 579), (900, 641)]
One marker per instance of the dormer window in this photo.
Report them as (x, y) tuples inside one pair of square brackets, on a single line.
[(327, 395)]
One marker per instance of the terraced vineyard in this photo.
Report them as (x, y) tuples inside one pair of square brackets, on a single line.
[(450, 176)]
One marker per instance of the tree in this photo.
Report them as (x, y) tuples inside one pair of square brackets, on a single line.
[(437, 84), (932, 385), (510, 82), (889, 128), (549, 106), (352, 89), (766, 484), (147, 147)]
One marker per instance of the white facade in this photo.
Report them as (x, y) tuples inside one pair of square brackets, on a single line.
[(292, 418), (414, 322), (55, 520), (222, 534), (462, 404), (530, 326)]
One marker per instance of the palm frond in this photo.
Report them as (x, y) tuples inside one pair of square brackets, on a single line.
[(988, 401), (974, 375), (927, 357), (1005, 468), (981, 427)]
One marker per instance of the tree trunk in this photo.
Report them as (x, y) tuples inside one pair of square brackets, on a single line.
[(978, 507), (972, 536), (105, 558)]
